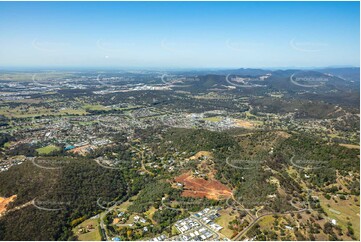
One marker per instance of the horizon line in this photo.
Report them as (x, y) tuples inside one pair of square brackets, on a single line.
[(100, 68)]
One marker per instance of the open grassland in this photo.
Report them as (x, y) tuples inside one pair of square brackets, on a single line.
[(27, 112), (266, 222), (343, 211), (224, 220), (70, 111)]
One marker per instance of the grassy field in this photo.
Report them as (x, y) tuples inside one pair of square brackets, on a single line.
[(124, 206), (26, 112), (174, 231), (47, 149), (96, 107), (93, 235), (22, 112), (213, 119), (224, 220), (266, 222), (343, 211), (150, 213)]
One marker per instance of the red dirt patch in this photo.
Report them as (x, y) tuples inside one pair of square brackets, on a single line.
[(82, 150), (199, 187)]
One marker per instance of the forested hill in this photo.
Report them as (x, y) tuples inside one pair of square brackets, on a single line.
[(62, 196)]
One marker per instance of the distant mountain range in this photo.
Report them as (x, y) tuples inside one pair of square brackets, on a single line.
[(321, 79), (348, 73)]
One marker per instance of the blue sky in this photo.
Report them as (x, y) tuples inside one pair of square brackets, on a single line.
[(179, 34)]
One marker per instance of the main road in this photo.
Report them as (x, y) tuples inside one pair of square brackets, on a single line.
[(243, 232)]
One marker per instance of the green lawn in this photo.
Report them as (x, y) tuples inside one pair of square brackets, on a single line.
[(47, 149), (93, 235)]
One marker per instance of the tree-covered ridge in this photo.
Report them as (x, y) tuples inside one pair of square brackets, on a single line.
[(60, 195)]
